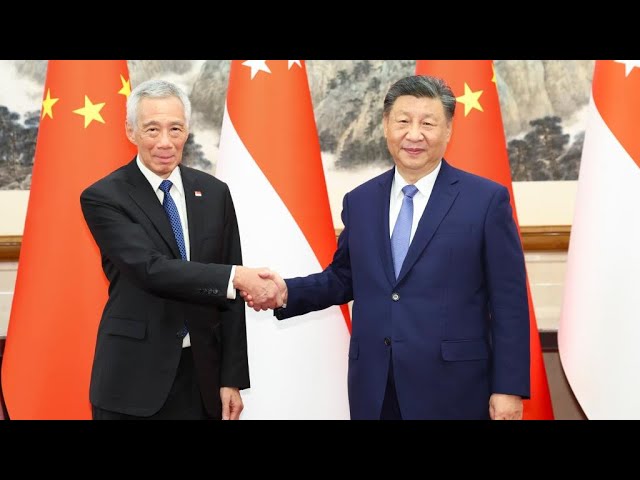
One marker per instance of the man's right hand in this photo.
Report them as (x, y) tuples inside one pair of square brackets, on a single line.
[(274, 277), (257, 285)]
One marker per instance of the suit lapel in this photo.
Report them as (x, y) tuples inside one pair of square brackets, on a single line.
[(445, 191), (142, 193), (195, 211), (383, 219)]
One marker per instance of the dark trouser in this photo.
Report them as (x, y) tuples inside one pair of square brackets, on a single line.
[(390, 406), (183, 403)]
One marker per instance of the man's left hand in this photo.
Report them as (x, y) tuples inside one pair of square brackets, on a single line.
[(231, 403), (505, 407)]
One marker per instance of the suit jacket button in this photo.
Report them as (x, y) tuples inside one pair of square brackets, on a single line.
[(395, 296), (387, 341), (214, 291)]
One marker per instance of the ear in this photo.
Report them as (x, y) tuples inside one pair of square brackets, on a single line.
[(385, 125), (449, 129), (129, 131)]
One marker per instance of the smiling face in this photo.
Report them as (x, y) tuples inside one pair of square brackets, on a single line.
[(160, 134), (417, 133)]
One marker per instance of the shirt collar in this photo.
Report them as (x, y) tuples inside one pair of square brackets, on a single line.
[(424, 185), (155, 180)]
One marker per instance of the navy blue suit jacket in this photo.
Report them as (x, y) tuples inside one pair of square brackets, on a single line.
[(456, 321)]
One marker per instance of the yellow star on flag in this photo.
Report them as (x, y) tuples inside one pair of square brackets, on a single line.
[(493, 69), (90, 112), (470, 99), (47, 105), (126, 87)]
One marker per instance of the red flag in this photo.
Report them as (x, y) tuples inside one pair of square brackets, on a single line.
[(478, 146), (60, 288), (270, 158), (599, 329)]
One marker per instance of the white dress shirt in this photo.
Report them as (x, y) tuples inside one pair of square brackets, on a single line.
[(177, 194), (420, 199)]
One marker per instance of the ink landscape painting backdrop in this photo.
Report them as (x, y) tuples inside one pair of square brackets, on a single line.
[(543, 105)]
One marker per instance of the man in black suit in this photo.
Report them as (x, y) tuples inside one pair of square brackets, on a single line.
[(172, 339)]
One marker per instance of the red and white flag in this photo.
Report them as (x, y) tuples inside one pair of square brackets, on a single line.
[(599, 332), (270, 158), (478, 146)]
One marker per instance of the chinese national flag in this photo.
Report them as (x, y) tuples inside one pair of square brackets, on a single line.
[(599, 328), (478, 146), (60, 287), (270, 158)]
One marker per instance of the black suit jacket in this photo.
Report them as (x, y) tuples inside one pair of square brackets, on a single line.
[(152, 292)]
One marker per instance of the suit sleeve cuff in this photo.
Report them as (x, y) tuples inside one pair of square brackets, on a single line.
[(280, 312)]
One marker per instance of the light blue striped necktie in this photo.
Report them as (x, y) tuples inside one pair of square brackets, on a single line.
[(402, 230)]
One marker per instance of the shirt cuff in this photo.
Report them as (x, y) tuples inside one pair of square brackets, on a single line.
[(231, 292)]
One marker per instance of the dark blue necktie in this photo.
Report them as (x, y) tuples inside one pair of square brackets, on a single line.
[(402, 229), (174, 218)]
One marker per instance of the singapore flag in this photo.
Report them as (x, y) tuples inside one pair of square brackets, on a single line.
[(270, 158), (599, 332)]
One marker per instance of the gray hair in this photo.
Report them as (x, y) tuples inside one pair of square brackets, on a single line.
[(422, 86), (155, 89)]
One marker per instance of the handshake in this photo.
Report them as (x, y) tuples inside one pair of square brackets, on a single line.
[(261, 288)]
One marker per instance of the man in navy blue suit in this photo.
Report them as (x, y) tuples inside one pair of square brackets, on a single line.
[(432, 259)]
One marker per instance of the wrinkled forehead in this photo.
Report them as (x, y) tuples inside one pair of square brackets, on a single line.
[(410, 105)]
